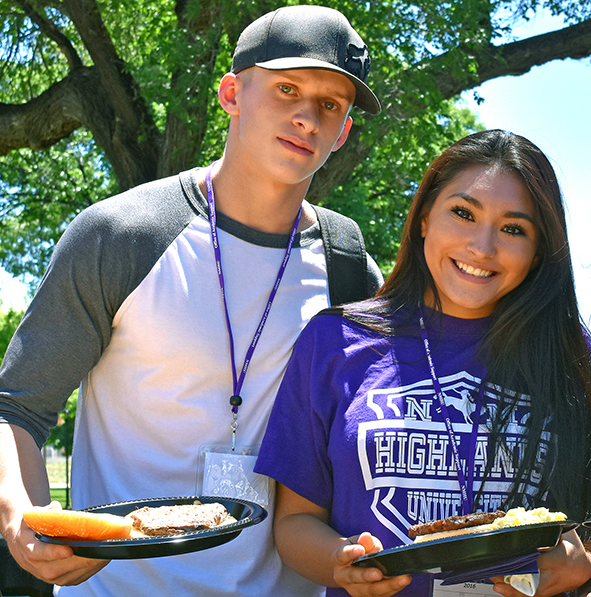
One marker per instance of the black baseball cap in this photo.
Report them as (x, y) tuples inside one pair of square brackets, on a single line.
[(308, 36)]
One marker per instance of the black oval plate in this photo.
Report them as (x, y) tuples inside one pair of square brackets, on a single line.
[(246, 513), (465, 552)]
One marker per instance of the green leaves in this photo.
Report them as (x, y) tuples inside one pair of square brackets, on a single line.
[(9, 321), (147, 99), (40, 193), (62, 435)]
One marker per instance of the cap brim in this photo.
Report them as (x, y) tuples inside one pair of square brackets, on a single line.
[(365, 98)]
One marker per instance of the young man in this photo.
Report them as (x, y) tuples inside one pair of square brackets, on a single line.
[(153, 306)]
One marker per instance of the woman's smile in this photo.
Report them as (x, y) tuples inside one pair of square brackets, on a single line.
[(473, 271)]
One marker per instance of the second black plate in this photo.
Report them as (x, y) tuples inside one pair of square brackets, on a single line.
[(466, 552), (246, 513)]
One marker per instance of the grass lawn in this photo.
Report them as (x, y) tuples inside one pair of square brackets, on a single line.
[(59, 494)]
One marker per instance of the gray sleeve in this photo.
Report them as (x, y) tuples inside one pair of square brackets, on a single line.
[(101, 258)]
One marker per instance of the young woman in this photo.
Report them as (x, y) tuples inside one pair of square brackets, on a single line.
[(463, 386)]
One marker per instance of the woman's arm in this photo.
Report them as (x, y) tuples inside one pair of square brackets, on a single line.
[(564, 568), (308, 545)]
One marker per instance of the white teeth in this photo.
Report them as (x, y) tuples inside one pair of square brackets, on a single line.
[(474, 271)]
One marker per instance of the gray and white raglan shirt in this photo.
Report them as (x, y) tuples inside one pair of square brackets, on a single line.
[(130, 309)]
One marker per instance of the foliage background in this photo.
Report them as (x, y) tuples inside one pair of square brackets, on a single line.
[(97, 96), (9, 320)]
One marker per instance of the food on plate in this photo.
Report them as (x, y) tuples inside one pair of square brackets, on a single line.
[(453, 523), (146, 521), (480, 522), (170, 520), (73, 524)]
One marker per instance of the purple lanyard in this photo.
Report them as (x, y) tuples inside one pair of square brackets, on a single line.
[(235, 399), (466, 488)]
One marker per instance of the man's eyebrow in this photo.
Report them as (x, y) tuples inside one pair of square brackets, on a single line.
[(509, 214), (292, 75)]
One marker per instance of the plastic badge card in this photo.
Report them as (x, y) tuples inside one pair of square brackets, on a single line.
[(229, 474)]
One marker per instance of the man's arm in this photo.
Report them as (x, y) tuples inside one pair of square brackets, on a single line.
[(24, 483), (23, 478)]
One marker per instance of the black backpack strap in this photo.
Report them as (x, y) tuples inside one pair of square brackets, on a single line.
[(346, 259)]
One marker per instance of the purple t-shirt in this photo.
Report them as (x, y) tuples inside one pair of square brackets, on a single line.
[(355, 429)]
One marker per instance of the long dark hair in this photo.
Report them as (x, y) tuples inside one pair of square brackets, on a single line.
[(536, 343)]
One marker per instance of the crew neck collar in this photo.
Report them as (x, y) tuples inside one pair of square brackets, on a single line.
[(455, 325)]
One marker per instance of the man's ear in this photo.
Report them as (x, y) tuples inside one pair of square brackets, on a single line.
[(227, 93), (344, 134)]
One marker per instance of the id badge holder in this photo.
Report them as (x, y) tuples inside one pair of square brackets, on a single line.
[(229, 473), (468, 589)]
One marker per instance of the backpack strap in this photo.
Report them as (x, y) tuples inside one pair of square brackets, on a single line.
[(346, 259)]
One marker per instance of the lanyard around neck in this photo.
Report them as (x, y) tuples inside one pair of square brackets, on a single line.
[(238, 380), (466, 487)]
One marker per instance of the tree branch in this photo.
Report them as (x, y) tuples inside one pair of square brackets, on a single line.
[(53, 32), (79, 99), (444, 77), (87, 19), (520, 57), (43, 121)]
